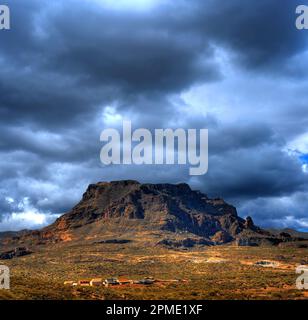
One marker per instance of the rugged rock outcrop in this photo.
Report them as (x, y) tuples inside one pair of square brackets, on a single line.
[(173, 208), (119, 207)]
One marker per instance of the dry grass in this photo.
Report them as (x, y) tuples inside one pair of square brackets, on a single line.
[(223, 272)]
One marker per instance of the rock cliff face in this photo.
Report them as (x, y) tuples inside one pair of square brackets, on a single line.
[(169, 207), (128, 206)]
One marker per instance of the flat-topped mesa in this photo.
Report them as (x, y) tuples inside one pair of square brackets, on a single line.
[(170, 207), (129, 207)]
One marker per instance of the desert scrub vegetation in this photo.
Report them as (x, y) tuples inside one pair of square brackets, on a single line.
[(222, 272)]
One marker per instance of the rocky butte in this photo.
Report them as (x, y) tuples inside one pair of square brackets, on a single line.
[(158, 214)]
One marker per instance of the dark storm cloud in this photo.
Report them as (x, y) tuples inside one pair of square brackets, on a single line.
[(69, 64), (64, 63), (281, 212), (241, 136), (262, 32), (252, 173), (132, 52), (68, 67)]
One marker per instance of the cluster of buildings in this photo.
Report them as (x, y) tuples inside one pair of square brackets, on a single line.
[(108, 282)]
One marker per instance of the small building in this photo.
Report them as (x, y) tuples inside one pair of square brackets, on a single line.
[(68, 283), (146, 281), (96, 282), (111, 282), (125, 281), (84, 283)]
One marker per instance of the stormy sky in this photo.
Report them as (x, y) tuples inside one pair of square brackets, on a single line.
[(71, 68)]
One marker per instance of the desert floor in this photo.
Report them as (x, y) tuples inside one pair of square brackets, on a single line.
[(221, 272)]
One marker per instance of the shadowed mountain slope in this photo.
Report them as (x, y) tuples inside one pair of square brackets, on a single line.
[(175, 214)]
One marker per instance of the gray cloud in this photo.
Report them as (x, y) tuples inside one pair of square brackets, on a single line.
[(262, 33), (71, 68)]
